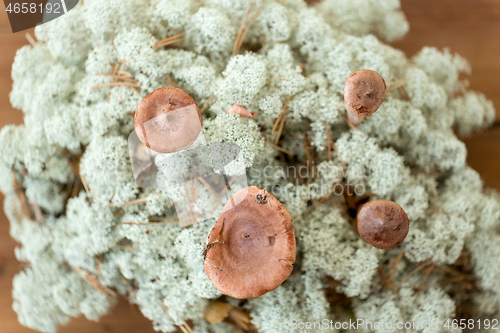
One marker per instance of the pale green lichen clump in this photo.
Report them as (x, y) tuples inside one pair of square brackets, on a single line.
[(82, 248)]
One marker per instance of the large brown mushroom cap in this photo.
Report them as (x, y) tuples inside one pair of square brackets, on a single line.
[(251, 248), (383, 224), (168, 120), (364, 92)]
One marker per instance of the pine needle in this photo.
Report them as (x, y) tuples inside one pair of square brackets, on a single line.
[(320, 202), (328, 141), (413, 272), (75, 165), (188, 200), (95, 283), (209, 102), (279, 148), (184, 327), (426, 276), (428, 212), (284, 112), (349, 123), (169, 40), (136, 201), (127, 74), (277, 122), (208, 186), (21, 196), (388, 282), (119, 77), (157, 223), (222, 194), (30, 39), (338, 154), (248, 27), (166, 43), (114, 84), (238, 36)]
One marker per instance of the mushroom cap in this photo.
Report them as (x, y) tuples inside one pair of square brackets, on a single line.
[(253, 245), (364, 92), (168, 120), (383, 224)]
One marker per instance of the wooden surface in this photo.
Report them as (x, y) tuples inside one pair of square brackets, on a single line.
[(468, 27)]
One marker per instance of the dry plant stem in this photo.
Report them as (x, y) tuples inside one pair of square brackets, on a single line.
[(184, 327), (279, 148)]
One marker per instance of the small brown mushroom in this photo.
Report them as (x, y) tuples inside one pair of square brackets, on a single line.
[(364, 92), (168, 120), (382, 224), (251, 248)]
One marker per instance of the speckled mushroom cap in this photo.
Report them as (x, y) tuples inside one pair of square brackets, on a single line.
[(364, 92), (168, 120), (382, 224), (251, 248)]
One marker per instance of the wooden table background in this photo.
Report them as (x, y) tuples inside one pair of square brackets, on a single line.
[(468, 27)]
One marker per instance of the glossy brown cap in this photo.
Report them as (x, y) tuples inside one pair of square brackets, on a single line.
[(382, 224), (364, 92), (251, 249), (168, 120)]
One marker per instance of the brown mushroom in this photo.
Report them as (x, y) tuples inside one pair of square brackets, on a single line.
[(364, 92), (382, 224), (251, 249), (168, 120)]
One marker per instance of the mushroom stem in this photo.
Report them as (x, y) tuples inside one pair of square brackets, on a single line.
[(353, 117)]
